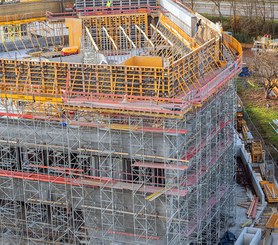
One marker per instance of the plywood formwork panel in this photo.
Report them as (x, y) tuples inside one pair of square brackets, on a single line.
[(25, 77), (75, 31), (272, 223)]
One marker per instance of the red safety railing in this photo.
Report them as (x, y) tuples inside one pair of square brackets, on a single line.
[(144, 8), (60, 16)]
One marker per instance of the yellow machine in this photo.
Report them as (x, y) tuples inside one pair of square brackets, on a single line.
[(257, 151), (70, 51)]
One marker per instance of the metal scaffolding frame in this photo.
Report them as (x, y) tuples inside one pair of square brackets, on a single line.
[(106, 161), (63, 208)]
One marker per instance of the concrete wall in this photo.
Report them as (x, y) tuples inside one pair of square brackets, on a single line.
[(32, 9), (91, 139), (246, 158), (249, 236), (180, 16)]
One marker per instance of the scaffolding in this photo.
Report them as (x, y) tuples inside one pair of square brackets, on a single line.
[(124, 153)]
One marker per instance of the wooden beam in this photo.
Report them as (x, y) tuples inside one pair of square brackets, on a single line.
[(110, 38), (145, 36), (127, 37), (91, 39), (162, 35)]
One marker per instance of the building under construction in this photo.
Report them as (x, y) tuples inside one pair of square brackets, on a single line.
[(129, 142)]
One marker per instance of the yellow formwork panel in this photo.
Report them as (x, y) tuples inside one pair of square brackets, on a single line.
[(54, 78), (116, 20), (257, 151), (148, 61), (112, 24), (46, 80), (21, 22), (272, 223), (74, 26), (233, 44), (32, 98), (177, 31), (270, 191)]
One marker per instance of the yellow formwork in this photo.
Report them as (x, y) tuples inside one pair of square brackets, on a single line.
[(176, 30), (21, 22), (111, 82), (147, 61), (112, 24), (232, 43), (257, 151), (270, 191), (32, 98), (272, 223), (74, 26), (51, 78), (114, 21)]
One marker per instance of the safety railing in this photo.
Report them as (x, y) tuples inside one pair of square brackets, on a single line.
[(60, 16), (233, 44), (219, 80), (21, 17), (144, 8)]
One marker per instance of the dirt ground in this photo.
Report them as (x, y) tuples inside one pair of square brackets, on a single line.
[(257, 96)]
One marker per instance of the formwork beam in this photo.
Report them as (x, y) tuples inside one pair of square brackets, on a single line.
[(91, 39), (110, 38), (162, 35), (127, 37), (22, 22), (145, 36)]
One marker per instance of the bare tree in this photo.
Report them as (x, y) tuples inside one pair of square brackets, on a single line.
[(265, 71), (192, 4), (189, 3), (217, 4), (233, 13), (272, 14)]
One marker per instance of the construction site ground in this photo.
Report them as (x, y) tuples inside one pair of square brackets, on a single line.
[(244, 195)]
